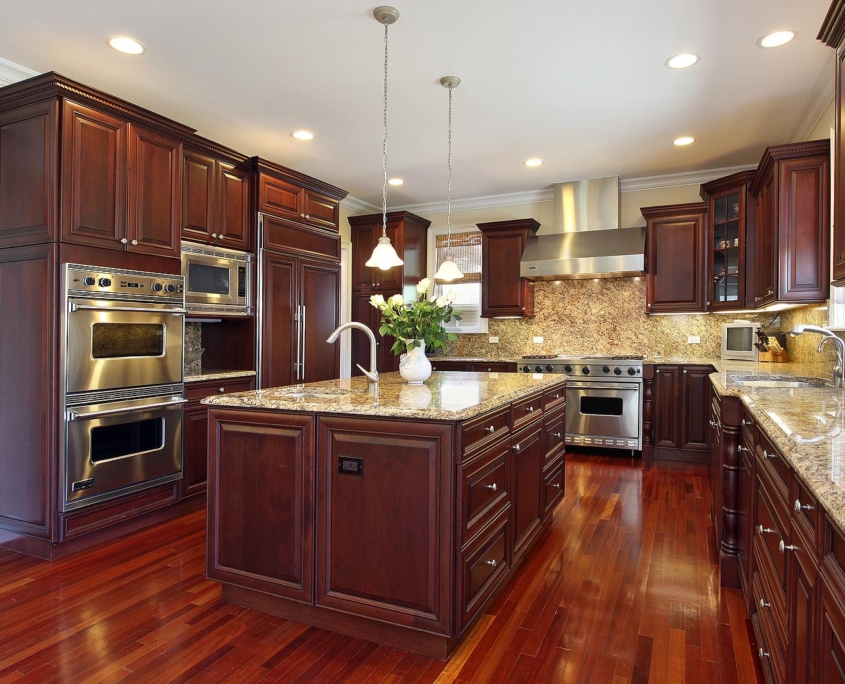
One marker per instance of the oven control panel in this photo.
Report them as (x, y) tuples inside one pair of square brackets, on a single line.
[(91, 281)]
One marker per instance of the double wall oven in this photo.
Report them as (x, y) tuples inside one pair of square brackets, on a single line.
[(123, 392), (604, 398)]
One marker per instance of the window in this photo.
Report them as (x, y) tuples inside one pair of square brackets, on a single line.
[(466, 250), (836, 308)]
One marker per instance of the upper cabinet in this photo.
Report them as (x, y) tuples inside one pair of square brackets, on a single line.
[(215, 196), (728, 216), (675, 258), (791, 233), (503, 291), (292, 199)]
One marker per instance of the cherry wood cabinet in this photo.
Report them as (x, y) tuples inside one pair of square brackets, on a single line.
[(291, 200), (792, 228), (215, 201), (503, 291), (366, 313), (195, 430), (474, 366), (681, 413), (675, 258), (528, 486)]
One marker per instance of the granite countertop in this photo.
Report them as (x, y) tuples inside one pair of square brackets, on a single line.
[(221, 375), (444, 396), (807, 425)]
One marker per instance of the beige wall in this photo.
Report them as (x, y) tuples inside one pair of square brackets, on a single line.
[(822, 129)]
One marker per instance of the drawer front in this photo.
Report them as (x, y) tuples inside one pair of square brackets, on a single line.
[(554, 490), (775, 465), (771, 651), (484, 430), (195, 391), (483, 566), (489, 366), (749, 428), (805, 508), (555, 433), (770, 533), (527, 411), (449, 366), (554, 398), (484, 482)]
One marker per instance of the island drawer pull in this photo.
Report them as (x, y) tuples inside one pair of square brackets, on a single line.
[(766, 454), (783, 547), (802, 507), (491, 563), (516, 448), (556, 485), (763, 604), (530, 409), (221, 390), (762, 653), (556, 435), (492, 487), (490, 429), (765, 530)]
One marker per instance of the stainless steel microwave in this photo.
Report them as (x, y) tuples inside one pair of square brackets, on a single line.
[(217, 280)]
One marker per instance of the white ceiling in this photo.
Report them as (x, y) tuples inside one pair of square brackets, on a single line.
[(579, 83)]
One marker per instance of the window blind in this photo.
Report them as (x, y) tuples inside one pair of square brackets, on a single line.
[(466, 251)]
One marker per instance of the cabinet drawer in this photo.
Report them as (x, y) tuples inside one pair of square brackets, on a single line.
[(555, 433), (770, 533), (484, 430), (805, 508), (749, 428), (775, 465), (554, 489), (195, 391), (484, 486), (554, 398), (489, 366), (771, 650), (483, 566), (461, 366), (526, 411)]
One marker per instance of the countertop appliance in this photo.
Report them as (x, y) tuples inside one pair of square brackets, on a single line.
[(604, 398), (217, 280), (123, 391), (738, 340)]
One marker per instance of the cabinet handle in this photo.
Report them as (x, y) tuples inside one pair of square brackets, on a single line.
[(685, 372), (648, 306), (708, 304), (746, 422), (742, 448), (765, 530), (491, 563), (806, 507), (557, 396), (214, 235), (770, 291), (712, 423), (124, 241), (221, 390), (757, 299), (783, 547), (492, 487), (516, 448), (302, 216), (134, 242), (762, 653), (763, 604), (766, 454), (490, 429), (308, 217), (556, 485), (530, 409), (489, 369), (657, 371), (556, 435)]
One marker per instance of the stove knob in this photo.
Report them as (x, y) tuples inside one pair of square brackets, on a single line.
[(549, 368), (157, 287), (605, 369), (631, 371), (538, 369), (585, 370), (105, 282), (89, 281), (617, 370), (170, 288), (567, 368), (526, 369)]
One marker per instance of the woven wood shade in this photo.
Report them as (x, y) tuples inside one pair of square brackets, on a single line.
[(466, 251)]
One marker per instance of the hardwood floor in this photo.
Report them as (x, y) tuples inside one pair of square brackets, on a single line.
[(623, 588)]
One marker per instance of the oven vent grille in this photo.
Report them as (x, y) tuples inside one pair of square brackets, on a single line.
[(105, 396)]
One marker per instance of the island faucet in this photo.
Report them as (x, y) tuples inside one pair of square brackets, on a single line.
[(839, 346), (372, 374)]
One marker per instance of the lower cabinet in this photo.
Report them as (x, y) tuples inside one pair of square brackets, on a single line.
[(474, 366), (681, 413), (528, 486)]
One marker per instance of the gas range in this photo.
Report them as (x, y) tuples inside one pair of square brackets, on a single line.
[(597, 367)]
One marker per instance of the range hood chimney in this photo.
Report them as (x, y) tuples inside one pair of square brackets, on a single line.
[(587, 241)]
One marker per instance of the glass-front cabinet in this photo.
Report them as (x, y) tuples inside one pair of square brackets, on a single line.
[(726, 241)]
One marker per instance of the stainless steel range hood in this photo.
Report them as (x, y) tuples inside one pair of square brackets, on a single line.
[(587, 241)]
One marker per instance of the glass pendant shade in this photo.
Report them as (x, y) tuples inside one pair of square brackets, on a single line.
[(384, 256), (448, 270)]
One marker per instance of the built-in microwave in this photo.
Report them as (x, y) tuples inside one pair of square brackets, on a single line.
[(738, 341), (217, 280)]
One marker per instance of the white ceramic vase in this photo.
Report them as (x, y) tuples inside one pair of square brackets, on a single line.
[(414, 365)]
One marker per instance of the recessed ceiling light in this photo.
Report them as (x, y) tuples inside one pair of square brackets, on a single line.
[(533, 162), (684, 140), (776, 39), (128, 46), (682, 60), (395, 181), (303, 135)]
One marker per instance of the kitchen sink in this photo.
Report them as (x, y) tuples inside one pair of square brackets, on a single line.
[(774, 381)]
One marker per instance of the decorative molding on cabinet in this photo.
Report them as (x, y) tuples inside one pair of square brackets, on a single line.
[(357, 206)]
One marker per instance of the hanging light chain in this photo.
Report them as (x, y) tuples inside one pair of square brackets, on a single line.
[(384, 143)]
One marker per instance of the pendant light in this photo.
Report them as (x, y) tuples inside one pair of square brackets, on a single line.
[(384, 255), (449, 270)]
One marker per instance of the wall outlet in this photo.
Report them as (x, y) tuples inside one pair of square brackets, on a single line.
[(538, 339), (493, 340), (693, 339)]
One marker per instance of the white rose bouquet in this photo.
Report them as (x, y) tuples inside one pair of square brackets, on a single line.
[(421, 320)]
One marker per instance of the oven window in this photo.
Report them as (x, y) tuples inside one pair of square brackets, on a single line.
[(125, 439), (115, 340), (601, 406), (208, 279)]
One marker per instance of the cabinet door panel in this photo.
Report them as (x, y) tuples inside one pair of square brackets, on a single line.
[(320, 210), (667, 386), (504, 292), (197, 196), (695, 408), (278, 197), (831, 638), (803, 616), (675, 272), (261, 486), (528, 486), (194, 450), (384, 533), (279, 330), (765, 242), (320, 295), (93, 177), (155, 184), (233, 202)]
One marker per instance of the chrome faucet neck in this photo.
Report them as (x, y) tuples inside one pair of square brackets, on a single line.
[(372, 374)]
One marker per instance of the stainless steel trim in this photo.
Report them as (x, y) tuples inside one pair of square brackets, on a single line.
[(105, 496), (129, 309), (304, 345), (297, 366), (85, 415), (259, 307), (604, 385)]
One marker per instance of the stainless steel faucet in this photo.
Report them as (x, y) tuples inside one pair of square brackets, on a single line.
[(372, 374), (829, 336)]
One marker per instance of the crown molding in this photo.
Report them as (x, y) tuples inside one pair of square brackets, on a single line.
[(674, 180), (818, 103), (357, 206), (12, 73)]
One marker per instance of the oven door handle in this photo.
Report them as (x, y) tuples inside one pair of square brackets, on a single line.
[(129, 309), (76, 415), (603, 385)]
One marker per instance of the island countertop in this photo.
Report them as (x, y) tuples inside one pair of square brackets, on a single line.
[(444, 396)]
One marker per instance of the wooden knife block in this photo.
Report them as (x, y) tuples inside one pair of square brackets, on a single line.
[(771, 357)]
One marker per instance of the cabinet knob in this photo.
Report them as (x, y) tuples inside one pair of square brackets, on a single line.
[(307, 216), (685, 370), (742, 448), (556, 435), (648, 306), (516, 448), (770, 291), (762, 653), (746, 422), (708, 304), (124, 241), (221, 390), (763, 604), (799, 507), (489, 369), (784, 547), (134, 242), (766, 454), (490, 429), (214, 235), (765, 530), (530, 409), (492, 487), (302, 216), (557, 396), (657, 371), (712, 423), (757, 299), (491, 563), (556, 485)]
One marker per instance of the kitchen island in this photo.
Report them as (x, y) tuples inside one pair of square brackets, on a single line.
[(393, 515)]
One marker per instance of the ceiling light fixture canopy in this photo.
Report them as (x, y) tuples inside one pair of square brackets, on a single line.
[(449, 270), (384, 255), (126, 45), (776, 38), (682, 60)]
